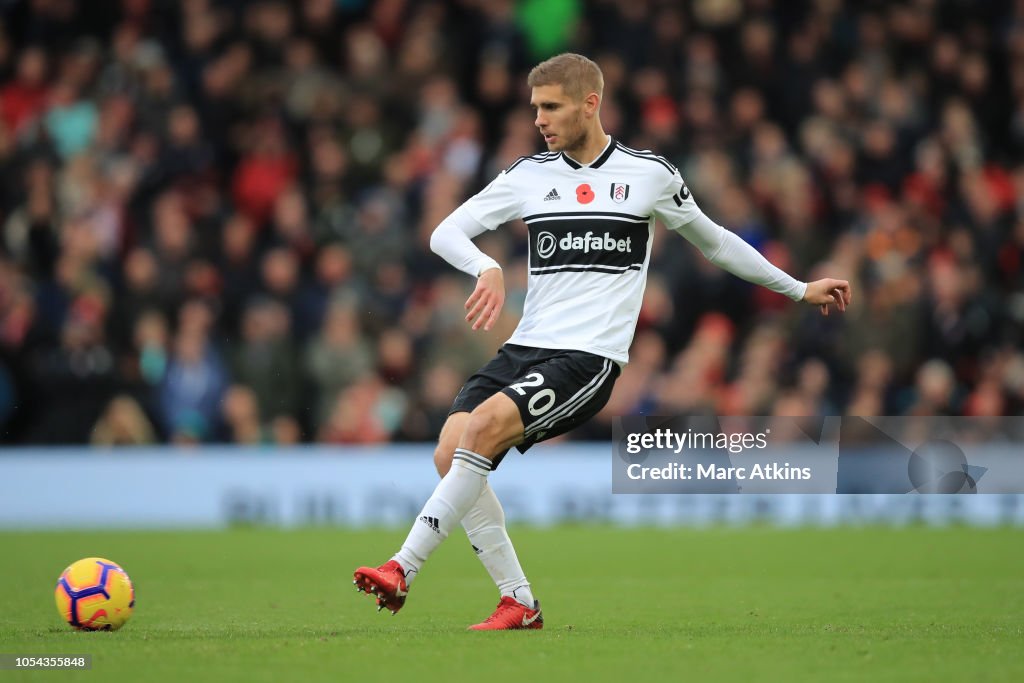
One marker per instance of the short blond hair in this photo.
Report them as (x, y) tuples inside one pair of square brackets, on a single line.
[(577, 75)]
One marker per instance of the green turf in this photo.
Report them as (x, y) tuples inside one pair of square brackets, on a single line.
[(621, 605)]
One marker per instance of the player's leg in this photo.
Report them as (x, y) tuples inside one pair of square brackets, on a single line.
[(390, 582), (485, 526), (485, 523), (552, 392), (553, 397), (492, 428), (489, 430), (448, 441)]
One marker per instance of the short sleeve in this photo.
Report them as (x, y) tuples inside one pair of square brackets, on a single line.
[(675, 206), (496, 204)]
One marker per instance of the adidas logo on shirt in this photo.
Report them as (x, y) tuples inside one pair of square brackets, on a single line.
[(552, 195), (432, 523)]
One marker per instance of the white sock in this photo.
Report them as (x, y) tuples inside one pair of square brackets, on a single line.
[(451, 500), (485, 526)]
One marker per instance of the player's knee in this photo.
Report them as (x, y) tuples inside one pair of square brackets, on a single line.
[(478, 427), (443, 458), (484, 432)]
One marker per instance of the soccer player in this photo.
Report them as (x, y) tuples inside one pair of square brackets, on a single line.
[(590, 204)]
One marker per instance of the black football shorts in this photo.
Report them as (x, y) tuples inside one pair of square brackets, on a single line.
[(555, 390)]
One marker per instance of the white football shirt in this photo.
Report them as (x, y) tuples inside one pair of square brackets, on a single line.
[(591, 230)]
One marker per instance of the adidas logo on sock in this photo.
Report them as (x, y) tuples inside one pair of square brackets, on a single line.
[(432, 523), (552, 195), (477, 550)]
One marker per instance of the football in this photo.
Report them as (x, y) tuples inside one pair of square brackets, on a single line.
[(95, 594)]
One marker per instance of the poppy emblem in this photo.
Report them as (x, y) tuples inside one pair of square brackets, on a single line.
[(584, 195)]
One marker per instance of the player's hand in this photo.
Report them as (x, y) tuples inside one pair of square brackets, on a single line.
[(485, 303), (828, 291)]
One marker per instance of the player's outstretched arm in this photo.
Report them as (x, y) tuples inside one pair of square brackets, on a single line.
[(828, 291), (484, 304), (727, 250)]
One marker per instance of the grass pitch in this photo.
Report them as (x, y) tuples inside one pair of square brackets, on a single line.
[(911, 604)]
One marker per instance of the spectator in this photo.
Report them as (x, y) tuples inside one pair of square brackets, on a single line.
[(25, 97), (336, 357), (192, 388), (123, 423), (265, 360), (240, 414)]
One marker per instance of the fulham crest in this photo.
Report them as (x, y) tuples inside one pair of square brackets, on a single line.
[(619, 192)]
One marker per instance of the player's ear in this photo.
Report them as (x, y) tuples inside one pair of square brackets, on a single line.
[(591, 103)]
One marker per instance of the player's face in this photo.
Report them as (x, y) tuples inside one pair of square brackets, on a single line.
[(559, 118)]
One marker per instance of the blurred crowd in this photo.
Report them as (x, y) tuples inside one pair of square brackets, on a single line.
[(215, 213)]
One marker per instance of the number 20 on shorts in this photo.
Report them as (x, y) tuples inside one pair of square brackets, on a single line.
[(540, 402)]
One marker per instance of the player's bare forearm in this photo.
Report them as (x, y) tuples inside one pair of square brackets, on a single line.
[(484, 304), (827, 292)]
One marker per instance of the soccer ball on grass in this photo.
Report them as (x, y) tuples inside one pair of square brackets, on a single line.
[(95, 594)]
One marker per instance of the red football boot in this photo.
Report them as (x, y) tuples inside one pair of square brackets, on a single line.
[(386, 582), (512, 615)]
